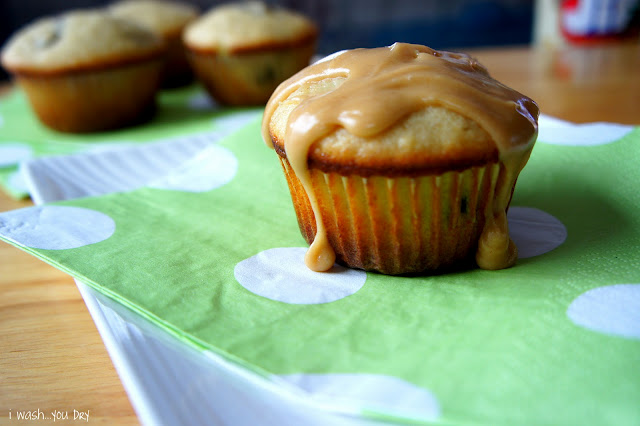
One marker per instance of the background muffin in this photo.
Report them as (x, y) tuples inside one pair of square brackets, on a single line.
[(401, 159), (167, 19), (86, 70), (241, 52)]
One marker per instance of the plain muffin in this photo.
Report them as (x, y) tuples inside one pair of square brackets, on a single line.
[(242, 51), (401, 159), (86, 71), (167, 19)]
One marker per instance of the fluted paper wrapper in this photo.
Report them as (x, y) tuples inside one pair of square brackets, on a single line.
[(398, 225)]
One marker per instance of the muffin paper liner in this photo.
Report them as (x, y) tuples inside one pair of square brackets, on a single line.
[(398, 224)]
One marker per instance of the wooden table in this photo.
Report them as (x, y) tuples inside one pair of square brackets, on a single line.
[(51, 356)]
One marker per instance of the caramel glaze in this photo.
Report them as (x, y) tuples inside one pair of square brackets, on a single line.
[(384, 86)]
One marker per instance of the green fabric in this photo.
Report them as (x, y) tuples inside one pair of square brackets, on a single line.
[(173, 117), (494, 347)]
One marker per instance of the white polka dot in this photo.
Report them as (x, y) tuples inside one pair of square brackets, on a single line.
[(56, 227), (16, 181), (212, 168), (358, 392), (201, 102), (613, 309), (13, 152), (280, 274), (534, 231), (560, 132)]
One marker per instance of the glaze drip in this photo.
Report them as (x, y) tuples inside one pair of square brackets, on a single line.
[(383, 86)]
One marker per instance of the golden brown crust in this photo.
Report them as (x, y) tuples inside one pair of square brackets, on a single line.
[(77, 41), (413, 163), (416, 166), (265, 45), (167, 18), (101, 65), (432, 139), (248, 27)]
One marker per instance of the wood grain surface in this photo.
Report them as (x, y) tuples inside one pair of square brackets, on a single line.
[(51, 356)]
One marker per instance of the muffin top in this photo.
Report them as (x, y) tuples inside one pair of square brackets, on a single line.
[(398, 110), (161, 16), (78, 40), (245, 27)]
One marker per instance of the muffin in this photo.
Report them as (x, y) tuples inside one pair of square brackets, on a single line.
[(86, 71), (241, 52), (167, 19), (401, 159)]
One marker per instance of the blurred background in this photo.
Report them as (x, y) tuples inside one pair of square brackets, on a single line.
[(440, 24), (357, 23)]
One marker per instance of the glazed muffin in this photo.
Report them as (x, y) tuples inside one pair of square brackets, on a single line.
[(401, 159), (86, 71), (167, 19), (241, 52)]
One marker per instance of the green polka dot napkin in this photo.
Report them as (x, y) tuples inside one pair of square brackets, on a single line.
[(211, 253), (180, 113)]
